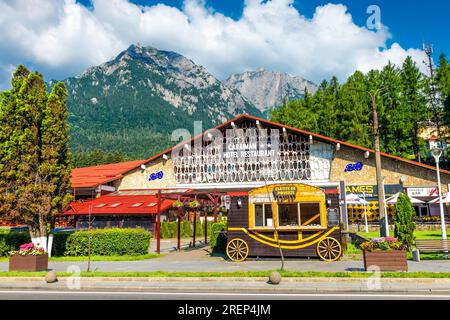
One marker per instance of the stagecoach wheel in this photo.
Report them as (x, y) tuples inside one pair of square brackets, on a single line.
[(237, 250), (329, 249)]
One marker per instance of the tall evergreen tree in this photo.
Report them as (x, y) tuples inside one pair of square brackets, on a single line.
[(35, 158), (443, 85), (404, 224), (413, 99)]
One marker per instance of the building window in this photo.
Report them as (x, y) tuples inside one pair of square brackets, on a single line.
[(288, 215), (263, 215), (310, 213)]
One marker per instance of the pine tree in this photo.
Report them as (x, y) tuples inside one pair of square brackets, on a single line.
[(414, 100), (404, 221)]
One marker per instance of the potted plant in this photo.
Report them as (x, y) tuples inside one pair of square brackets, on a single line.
[(28, 258), (194, 204), (177, 204), (386, 254)]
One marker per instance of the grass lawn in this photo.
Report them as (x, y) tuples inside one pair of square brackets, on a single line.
[(294, 274), (426, 234), (101, 258)]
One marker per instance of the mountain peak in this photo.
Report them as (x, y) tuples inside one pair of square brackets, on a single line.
[(267, 89)]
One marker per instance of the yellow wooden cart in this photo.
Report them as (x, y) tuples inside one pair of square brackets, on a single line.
[(301, 220)]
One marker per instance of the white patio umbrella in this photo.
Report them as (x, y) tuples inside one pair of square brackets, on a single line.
[(354, 199), (394, 198), (445, 198)]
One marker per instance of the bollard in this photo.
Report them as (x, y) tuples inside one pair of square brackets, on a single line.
[(416, 255)]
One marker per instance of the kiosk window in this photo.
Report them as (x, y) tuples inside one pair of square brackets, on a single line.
[(263, 215), (268, 216), (259, 215), (310, 213), (288, 215)]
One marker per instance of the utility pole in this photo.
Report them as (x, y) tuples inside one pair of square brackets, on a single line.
[(384, 231), (376, 137)]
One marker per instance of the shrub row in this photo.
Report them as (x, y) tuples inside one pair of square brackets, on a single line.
[(169, 229), (218, 239), (104, 242), (10, 241), (108, 242)]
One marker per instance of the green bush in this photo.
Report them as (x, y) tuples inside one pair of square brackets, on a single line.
[(186, 229), (404, 221), (108, 242), (218, 240), (60, 242), (169, 229), (10, 241)]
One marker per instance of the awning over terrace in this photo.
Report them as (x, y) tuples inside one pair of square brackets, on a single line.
[(118, 203)]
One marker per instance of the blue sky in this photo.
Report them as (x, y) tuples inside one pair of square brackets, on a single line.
[(410, 21), (310, 38)]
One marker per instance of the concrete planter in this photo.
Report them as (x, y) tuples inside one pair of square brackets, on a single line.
[(385, 260), (28, 263)]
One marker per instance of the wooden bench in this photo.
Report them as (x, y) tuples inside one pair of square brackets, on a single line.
[(430, 245)]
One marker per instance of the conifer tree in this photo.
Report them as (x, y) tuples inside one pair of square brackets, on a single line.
[(35, 157), (414, 100), (404, 224)]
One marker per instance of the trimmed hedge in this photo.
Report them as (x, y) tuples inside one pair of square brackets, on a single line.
[(109, 242), (169, 229), (10, 241), (217, 240), (60, 242)]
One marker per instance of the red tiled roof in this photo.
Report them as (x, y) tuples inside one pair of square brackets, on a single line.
[(91, 177), (119, 204)]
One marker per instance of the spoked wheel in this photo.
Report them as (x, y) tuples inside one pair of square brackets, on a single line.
[(237, 250), (329, 249)]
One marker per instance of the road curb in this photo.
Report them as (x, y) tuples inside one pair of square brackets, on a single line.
[(237, 279)]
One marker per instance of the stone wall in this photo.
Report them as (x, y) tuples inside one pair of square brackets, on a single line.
[(139, 179), (392, 169)]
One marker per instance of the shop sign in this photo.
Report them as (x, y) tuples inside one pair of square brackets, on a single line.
[(285, 193), (354, 167), (423, 192), (371, 191), (157, 175)]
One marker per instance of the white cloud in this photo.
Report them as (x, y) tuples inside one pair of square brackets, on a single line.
[(63, 38)]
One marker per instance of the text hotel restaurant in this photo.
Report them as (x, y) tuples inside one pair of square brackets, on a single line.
[(125, 194)]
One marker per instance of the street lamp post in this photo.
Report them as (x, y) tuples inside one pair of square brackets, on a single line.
[(386, 216), (437, 152)]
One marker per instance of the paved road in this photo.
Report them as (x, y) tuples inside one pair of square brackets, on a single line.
[(124, 295)]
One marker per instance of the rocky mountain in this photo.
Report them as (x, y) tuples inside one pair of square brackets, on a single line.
[(267, 89), (133, 103)]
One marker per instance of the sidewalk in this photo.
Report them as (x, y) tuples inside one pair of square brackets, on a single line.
[(199, 261), (251, 285)]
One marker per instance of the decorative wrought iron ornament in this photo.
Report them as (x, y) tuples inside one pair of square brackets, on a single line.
[(250, 154)]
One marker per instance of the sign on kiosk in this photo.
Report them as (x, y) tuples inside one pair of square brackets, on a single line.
[(423, 192)]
